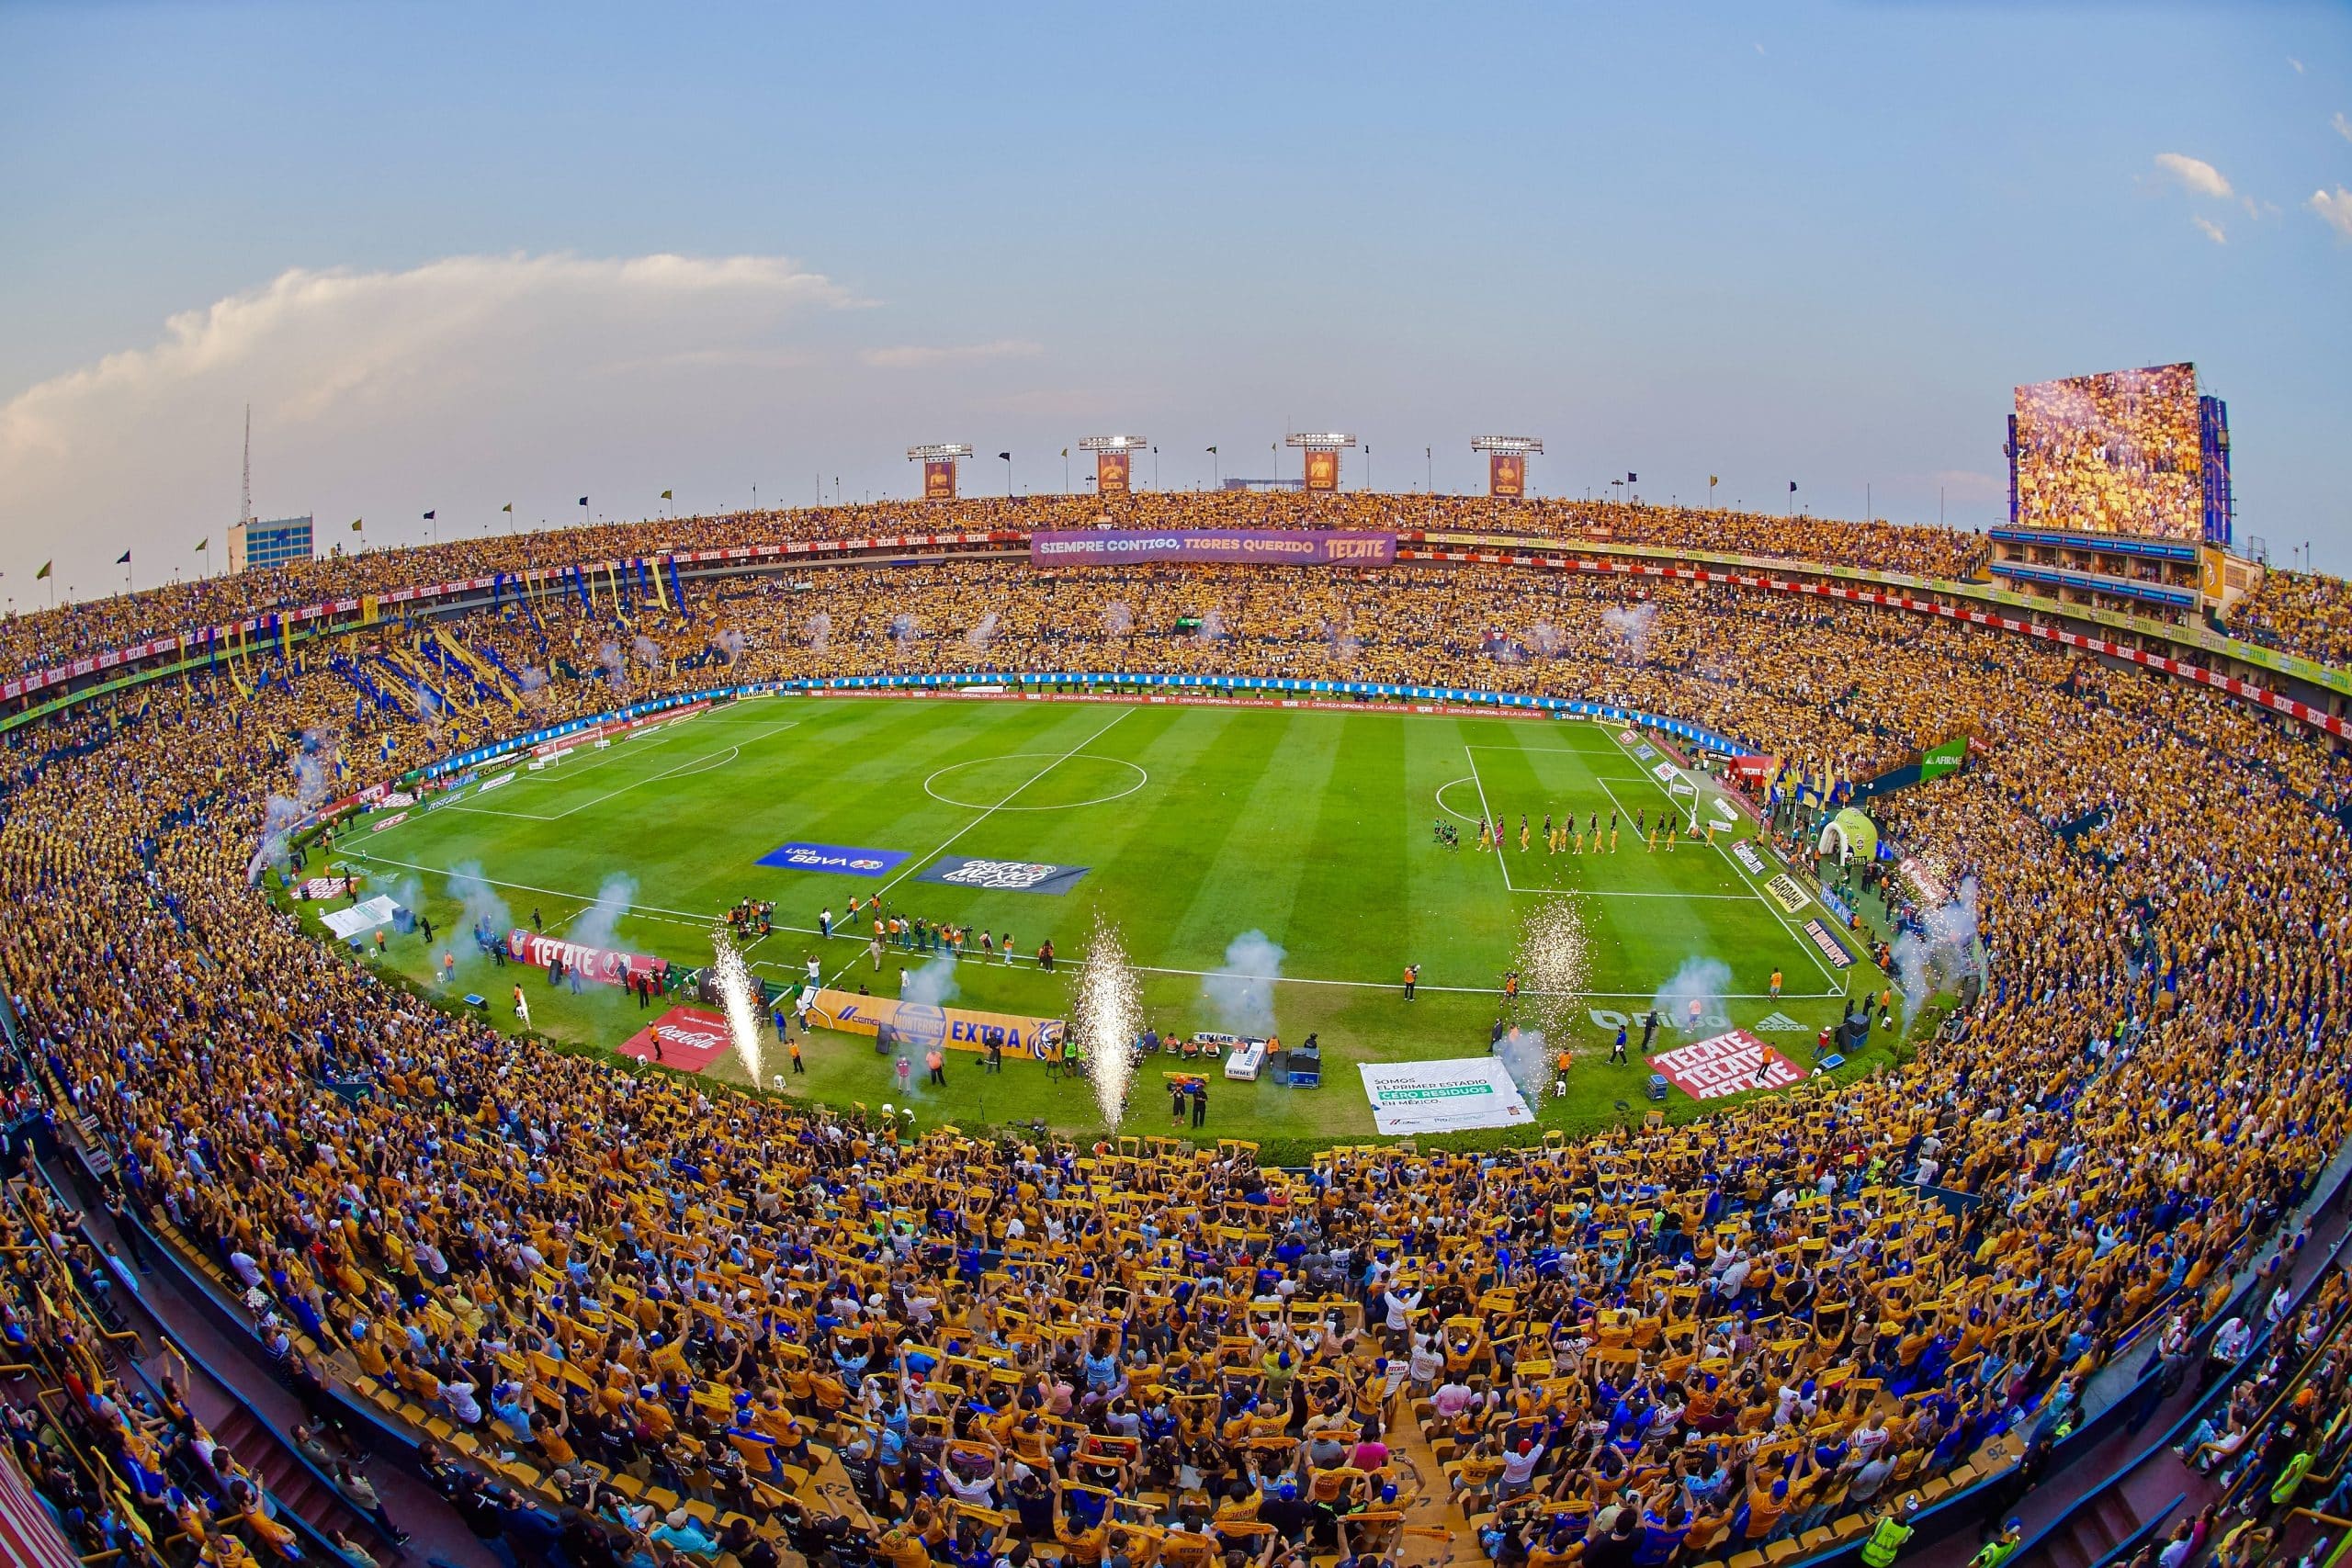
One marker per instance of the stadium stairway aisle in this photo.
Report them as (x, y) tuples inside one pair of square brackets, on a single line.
[(436, 1531), (2156, 1480)]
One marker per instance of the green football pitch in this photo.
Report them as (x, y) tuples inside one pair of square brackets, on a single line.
[(1196, 824)]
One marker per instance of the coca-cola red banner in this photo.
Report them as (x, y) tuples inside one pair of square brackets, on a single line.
[(593, 962)]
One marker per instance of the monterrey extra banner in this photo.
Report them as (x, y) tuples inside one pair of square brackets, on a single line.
[(1259, 547)]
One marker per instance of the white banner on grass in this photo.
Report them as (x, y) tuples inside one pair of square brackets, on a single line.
[(359, 918), (1442, 1096)]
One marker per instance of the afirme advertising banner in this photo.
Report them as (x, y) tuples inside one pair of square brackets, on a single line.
[(1002, 876), (920, 1025), (1442, 1096), (1254, 547), (595, 962), (1725, 1064)]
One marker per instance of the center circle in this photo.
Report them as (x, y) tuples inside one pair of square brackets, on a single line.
[(1034, 781)]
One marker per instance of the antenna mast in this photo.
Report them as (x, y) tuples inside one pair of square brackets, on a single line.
[(247, 513)]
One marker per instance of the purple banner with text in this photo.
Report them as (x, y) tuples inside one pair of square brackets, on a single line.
[(1268, 547)]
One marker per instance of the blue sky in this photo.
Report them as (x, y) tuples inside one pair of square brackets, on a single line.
[(1809, 243)]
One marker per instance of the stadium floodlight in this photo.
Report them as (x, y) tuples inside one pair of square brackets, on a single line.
[(1320, 450), (1115, 459), (938, 460), (1507, 463)]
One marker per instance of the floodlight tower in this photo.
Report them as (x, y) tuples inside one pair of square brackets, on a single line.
[(1506, 462), (1322, 449), (1114, 461), (938, 460)]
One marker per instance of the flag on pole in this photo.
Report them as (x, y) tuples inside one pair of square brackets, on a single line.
[(204, 544), (1065, 451), (44, 569), (1710, 481), (356, 523), (1212, 451), (1006, 456), (666, 496), (428, 517), (123, 560), (1633, 478), (508, 507), (584, 501), (1793, 486)]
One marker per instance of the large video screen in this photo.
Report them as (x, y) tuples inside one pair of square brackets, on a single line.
[(2116, 453)]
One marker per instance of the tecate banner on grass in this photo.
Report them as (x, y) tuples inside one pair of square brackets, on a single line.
[(597, 963), (798, 856), (1442, 1096), (1002, 875), (1725, 1064), (1256, 547), (920, 1025)]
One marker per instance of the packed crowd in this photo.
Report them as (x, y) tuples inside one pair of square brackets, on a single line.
[(1663, 1344), (41, 638), (2298, 612)]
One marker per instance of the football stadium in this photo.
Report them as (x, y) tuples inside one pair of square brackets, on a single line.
[(1268, 1023)]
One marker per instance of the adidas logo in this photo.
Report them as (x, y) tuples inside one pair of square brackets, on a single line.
[(1781, 1023)]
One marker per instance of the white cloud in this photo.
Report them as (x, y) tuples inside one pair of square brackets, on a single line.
[(2296, 63), (2334, 210), (2343, 126), (2195, 175), (2211, 230), (395, 391), (921, 356)]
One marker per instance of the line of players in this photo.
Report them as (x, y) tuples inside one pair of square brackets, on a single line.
[(1564, 840)]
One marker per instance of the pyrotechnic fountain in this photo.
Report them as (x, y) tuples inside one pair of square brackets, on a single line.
[(1551, 962), (738, 991), (1106, 1017)]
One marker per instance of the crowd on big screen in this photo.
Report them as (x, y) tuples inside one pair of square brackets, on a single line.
[(658, 1313)]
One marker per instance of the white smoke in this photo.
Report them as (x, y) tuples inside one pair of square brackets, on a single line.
[(1545, 640), (1631, 626), (903, 631), (730, 645), (933, 985), (1528, 1063), (532, 679), (598, 925), (980, 636), (1117, 619), (616, 671), (480, 906), (278, 816), (1242, 993), (1693, 998), (1926, 964), (820, 631), (1211, 627), (648, 651)]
